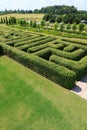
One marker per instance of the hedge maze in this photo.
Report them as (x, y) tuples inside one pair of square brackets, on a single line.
[(62, 60)]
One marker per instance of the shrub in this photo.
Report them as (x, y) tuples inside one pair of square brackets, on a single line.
[(80, 68), (26, 46), (81, 27), (62, 27), (37, 48), (21, 44), (20, 41), (42, 23), (57, 46), (68, 26), (75, 41), (56, 73), (76, 55), (78, 44), (17, 39), (55, 26), (70, 48), (74, 27)]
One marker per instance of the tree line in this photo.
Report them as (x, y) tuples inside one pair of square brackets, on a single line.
[(21, 22), (54, 10), (45, 25), (67, 18)]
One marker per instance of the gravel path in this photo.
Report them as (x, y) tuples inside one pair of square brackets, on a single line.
[(81, 88)]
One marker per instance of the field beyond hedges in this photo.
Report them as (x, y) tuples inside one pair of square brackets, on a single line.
[(35, 17), (29, 101)]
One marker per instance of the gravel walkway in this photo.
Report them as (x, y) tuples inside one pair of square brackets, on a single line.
[(81, 88)]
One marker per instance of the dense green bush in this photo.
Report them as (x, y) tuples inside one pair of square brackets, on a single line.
[(23, 43), (43, 41), (56, 73), (70, 48), (77, 44), (78, 41), (37, 48), (76, 55), (11, 42), (80, 68), (57, 46)]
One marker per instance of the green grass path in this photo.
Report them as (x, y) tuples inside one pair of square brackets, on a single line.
[(28, 101)]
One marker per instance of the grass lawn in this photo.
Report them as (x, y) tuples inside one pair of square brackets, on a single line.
[(28, 101)]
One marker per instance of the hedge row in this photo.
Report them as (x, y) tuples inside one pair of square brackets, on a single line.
[(76, 55), (26, 40), (66, 43), (43, 46), (23, 43), (78, 41), (10, 38), (26, 46), (37, 48), (19, 39), (57, 46), (80, 68), (56, 73), (70, 48)]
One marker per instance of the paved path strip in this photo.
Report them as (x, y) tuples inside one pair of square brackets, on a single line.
[(81, 88)]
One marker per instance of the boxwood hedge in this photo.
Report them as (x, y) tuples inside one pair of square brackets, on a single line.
[(56, 73), (23, 43), (26, 46), (70, 48), (80, 67), (76, 55)]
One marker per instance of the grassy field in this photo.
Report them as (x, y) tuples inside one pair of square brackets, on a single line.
[(28, 101), (36, 17)]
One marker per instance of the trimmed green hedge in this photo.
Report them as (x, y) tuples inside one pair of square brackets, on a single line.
[(79, 46), (37, 48), (52, 44), (19, 39), (76, 55), (57, 46), (80, 67), (70, 48), (23, 43), (56, 73), (78, 41), (26, 46)]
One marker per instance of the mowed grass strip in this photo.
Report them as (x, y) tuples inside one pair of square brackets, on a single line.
[(29, 101)]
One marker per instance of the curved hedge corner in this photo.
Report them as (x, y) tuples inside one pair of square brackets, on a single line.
[(56, 73)]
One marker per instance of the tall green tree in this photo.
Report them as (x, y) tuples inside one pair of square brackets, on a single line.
[(62, 27), (68, 26), (74, 27), (81, 27), (34, 24), (31, 23), (55, 26), (42, 23)]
